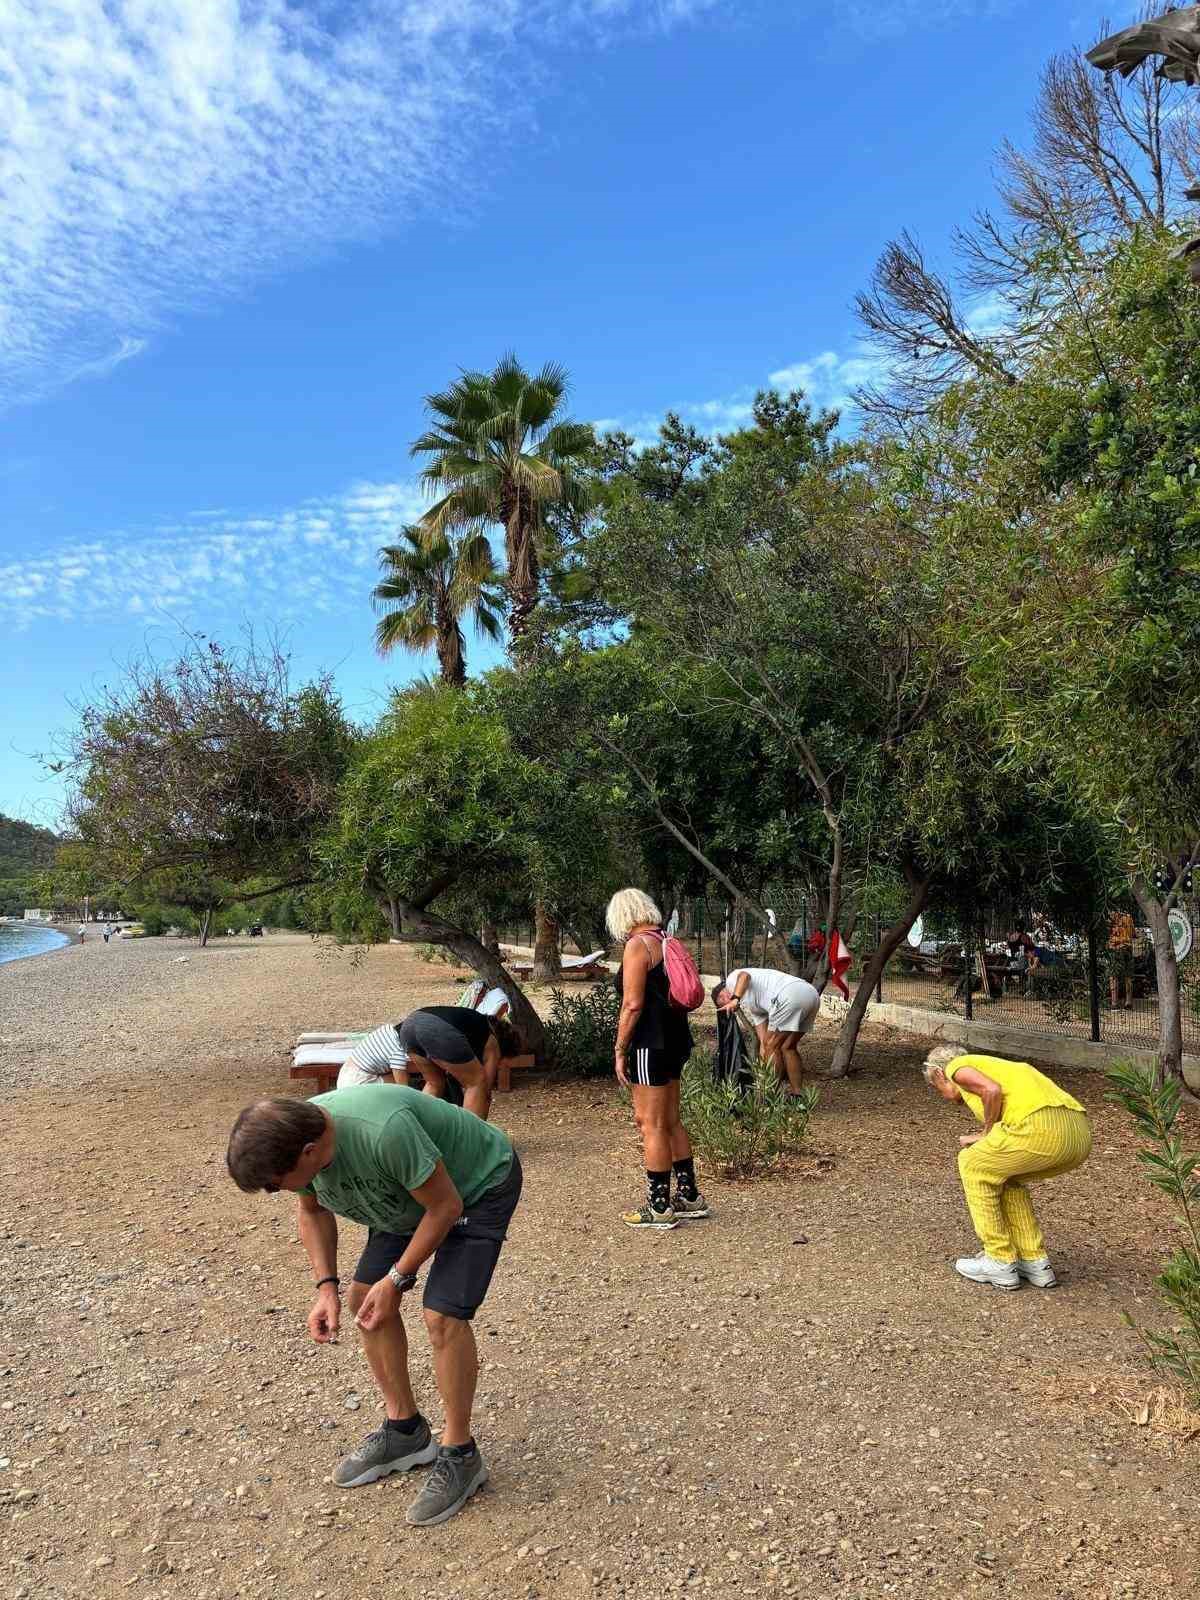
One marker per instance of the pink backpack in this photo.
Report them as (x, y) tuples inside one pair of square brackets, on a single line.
[(683, 981)]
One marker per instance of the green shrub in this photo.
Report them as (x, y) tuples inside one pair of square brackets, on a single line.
[(740, 1136), (1153, 1103), (582, 1030)]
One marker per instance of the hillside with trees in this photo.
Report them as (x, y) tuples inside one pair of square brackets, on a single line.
[(25, 851)]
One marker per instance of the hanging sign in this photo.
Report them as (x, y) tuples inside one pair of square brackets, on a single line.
[(916, 933), (1180, 925)]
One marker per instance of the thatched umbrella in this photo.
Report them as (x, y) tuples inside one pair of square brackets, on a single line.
[(1175, 36)]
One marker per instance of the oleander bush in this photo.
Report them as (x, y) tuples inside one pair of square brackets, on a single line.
[(582, 1030), (741, 1134), (1153, 1101)]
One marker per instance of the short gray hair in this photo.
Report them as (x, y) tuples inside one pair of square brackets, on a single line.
[(627, 908), (939, 1058)]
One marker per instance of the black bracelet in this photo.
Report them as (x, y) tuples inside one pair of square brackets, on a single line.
[(332, 1278)]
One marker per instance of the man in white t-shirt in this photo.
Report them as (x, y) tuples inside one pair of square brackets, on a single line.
[(782, 1008)]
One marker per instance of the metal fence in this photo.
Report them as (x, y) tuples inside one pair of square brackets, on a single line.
[(1071, 985), (1067, 986)]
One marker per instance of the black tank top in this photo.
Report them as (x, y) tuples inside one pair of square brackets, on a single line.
[(662, 1025)]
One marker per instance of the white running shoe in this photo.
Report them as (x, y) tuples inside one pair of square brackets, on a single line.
[(1039, 1273), (984, 1269)]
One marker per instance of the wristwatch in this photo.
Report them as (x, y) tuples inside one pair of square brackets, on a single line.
[(402, 1282)]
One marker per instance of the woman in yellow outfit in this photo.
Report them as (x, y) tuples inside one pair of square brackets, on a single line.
[(1031, 1129)]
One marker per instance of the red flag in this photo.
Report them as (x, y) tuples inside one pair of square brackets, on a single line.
[(839, 963)]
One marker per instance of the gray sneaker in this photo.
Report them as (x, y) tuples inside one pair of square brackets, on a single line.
[(386, 1450), (448, 1487), (684, 1209)]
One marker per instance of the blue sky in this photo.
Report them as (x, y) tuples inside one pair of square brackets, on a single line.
[(239, 243)]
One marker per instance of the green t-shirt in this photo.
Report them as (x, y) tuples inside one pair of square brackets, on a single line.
[(388, 1140)]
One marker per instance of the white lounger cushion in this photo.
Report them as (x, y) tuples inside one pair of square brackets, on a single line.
[(316, 1055), (328, 1038)]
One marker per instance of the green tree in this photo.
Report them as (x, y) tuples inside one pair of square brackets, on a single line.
[(430, 583), (798, 587), (212, 770), (500, 451), (1077, 539), (435, 803)]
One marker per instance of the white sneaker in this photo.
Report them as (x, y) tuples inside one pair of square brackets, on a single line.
[(1039, 1273), (983, 1269)]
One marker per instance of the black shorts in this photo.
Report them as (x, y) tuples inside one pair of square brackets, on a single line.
[(465, 1260), (445, 1033), (654, 1068)]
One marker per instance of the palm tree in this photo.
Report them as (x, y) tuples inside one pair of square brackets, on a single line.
[(429, 585), (499, 451)]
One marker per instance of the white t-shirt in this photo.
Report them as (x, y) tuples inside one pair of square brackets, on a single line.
[(771, 994)]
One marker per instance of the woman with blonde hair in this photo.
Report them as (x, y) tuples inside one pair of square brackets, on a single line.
[(1032, 1129), (652, 1047)]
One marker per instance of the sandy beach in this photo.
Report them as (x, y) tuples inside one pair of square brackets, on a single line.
[(797, 1397)]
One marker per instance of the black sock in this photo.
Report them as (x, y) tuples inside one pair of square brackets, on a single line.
[(685, 1177), (658, 1187), (462, 1449), (406, 1424)]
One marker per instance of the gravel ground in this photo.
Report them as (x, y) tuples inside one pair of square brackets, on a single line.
[(797, 1397)]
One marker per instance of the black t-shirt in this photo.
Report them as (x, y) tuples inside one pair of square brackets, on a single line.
[(472, 1026)]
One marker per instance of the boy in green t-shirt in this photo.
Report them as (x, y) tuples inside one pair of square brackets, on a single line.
[(428, 1179)]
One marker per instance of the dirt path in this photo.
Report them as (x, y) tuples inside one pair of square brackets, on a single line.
[(796, 1397)]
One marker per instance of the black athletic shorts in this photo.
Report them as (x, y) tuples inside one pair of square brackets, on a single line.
[(445, 1033), (466, 1258), (654, 1068)]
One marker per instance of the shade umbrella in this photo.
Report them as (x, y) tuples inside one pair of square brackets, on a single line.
[(1175, 36)]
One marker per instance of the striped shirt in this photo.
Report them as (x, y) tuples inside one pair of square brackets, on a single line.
[(376, 1055)]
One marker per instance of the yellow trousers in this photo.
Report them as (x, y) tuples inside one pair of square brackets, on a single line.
[(994, 1173)]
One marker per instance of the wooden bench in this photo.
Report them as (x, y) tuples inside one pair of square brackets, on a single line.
[(326, 1072)]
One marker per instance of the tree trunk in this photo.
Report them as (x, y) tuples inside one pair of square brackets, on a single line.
[(547, 959), (1166, 973), (205, 924), (843, 1050), (489, 938), (414, 925)]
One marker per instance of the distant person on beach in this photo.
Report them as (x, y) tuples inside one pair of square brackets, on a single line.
[(439, 1042), (782, 1008), (428, 1180), (1032, 1129), (81, 931), (652, 1047)]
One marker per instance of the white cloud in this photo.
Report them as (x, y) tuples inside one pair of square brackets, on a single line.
[(157, 155), (316, 557), (828, 380)]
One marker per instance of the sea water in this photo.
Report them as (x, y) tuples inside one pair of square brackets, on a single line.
[(19, 939)]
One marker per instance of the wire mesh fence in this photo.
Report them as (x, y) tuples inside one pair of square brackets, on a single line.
[(1018, 972)]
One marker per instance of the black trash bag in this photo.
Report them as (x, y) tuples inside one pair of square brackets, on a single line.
[(731, 1065)]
